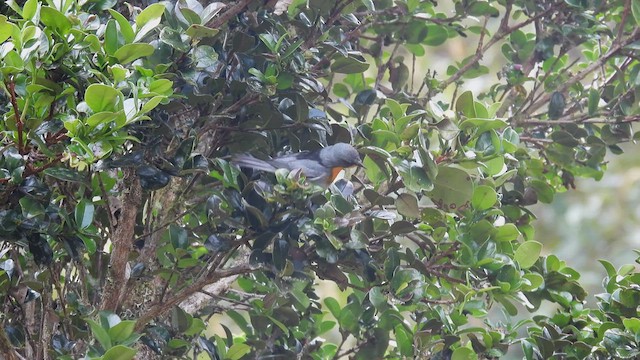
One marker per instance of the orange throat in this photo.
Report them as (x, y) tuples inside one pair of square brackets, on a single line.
[(334, 173)]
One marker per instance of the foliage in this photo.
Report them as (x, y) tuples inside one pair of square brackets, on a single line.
[(125, 225)]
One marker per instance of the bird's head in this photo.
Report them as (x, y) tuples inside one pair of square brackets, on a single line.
[(340, 155)]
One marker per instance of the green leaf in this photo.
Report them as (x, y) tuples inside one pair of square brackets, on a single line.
[(544, 191), (378, 298), (349, 65), (100, 333), (151, 104), (131, 52), (415, 177), (148, 20), (564, 138), (465, 104), (464, 353), (152, 12), (237, 351), (5, 29), (594, 94), (119, 352), (611, 270), (635, 10), (121, 331), (84, 213), (55, 20), (369, 4), (102, 97), (480, 125), (125, 27), (632, 325), (397, 110), (31, 208), (29, 9), (453, 188), (197, 31), (103, 117), (402, 278), (161, 87), (177, 236), (404, 339), (64, 174), (239, 320), (407, 205), (506, 232), (482, 8), (197, 326), (527, 253), (484, 197), (402, 227), (436, 35), (291, 49), (111, 38), (536, 280), (333, 306), (556, 105)]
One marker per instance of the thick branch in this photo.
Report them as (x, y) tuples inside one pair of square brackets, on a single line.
[(199, 300), (122, 241), (159, 309), (227, 15)]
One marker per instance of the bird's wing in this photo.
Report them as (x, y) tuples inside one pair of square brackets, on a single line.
[(249, 161), (308, 162)]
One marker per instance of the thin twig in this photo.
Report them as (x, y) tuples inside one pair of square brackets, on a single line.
[(11, 86)]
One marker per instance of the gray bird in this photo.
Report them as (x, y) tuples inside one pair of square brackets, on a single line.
[(320, 166)]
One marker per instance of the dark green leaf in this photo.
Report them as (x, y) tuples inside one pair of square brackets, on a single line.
[(348, 65), (556, 105), (84, 213)]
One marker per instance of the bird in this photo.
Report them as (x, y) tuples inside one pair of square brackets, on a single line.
[(320, 166)]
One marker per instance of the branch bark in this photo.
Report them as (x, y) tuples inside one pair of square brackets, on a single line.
[(122, 241), (161, 308), (227, 15), (199, 300)]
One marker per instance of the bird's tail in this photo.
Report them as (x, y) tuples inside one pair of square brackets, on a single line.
[(248, 161)]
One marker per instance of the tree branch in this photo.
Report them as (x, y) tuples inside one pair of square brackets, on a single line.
[(122, 241), (227, 15), (614, 50), (11, 87), (503, 31), (160, 308)]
